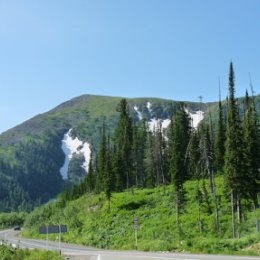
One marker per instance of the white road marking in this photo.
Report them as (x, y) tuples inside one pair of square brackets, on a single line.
[(151, 257)]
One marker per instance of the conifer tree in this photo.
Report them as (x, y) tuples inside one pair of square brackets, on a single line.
[(138, 147), (101, 160), (194, 156), (135, 151), (180, 134), (220, 140), (195, 169), (143, 131), (123, 140), (150, 176), (246, 102), (251, 135), (207, 158), (233, 166), (108, 178), (159, 154), (90, 180)]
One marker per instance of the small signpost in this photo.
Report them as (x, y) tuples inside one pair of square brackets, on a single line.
[(136, 229), (258, 225), (52, 230)]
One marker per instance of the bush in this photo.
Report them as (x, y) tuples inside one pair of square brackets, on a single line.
[(8, 253)]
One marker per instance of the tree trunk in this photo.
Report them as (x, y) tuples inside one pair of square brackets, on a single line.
[(213, 193), (215, 200), (136, 176), (177, 208), (157, 174), (163, 180), (127, 181), (216, 214), (233, 214), (199, 213), (108, 205), (239, 210)]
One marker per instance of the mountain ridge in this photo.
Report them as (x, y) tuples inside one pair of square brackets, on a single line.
[(38, 141)]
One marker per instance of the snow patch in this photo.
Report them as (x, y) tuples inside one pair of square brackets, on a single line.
[(87, 153), (149, 107), (154, 123), (72, 147), (196, 118), (165, 123), (138, 113)]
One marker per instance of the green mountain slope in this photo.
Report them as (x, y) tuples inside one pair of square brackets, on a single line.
[(89, 222), (31, 154)]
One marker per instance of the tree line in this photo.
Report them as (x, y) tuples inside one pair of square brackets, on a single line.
[(134, 156), (30, 174)]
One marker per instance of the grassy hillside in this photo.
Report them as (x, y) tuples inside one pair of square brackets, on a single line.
[(89, 222), (87, 111)]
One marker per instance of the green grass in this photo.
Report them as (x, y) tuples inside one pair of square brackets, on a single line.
[(89, 223), (9, 253)]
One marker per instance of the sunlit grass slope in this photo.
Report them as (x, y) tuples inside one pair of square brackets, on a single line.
[(89, 222)]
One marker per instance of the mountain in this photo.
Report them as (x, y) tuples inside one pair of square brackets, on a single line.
[(44, 154)]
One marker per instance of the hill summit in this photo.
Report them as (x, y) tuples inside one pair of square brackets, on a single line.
[(46, 153)]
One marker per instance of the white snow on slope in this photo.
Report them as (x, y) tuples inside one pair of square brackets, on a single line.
[(71, 147), (166, 123), (196, 118), (149, 107), (154, 123), (140, 117)]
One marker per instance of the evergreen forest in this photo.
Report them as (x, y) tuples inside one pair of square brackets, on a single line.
[(192, 189), (132, 157)]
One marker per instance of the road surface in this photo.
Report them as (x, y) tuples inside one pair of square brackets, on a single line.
[(87, 253)]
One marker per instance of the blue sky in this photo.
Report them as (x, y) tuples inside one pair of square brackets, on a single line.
[(51, 51)]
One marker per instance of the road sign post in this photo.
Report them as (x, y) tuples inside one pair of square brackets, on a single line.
[(47, 238), (51, 230), (59, 239), (258, 225), (136, 230)]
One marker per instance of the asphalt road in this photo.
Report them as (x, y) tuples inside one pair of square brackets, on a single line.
[(87, 253)]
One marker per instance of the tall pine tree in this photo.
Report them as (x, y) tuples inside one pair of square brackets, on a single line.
[(108, 177), (180, 134), (150, 174), (90, 180), (101, 160), (220, 140), (123, 140), (233, 166), (251, 135)]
